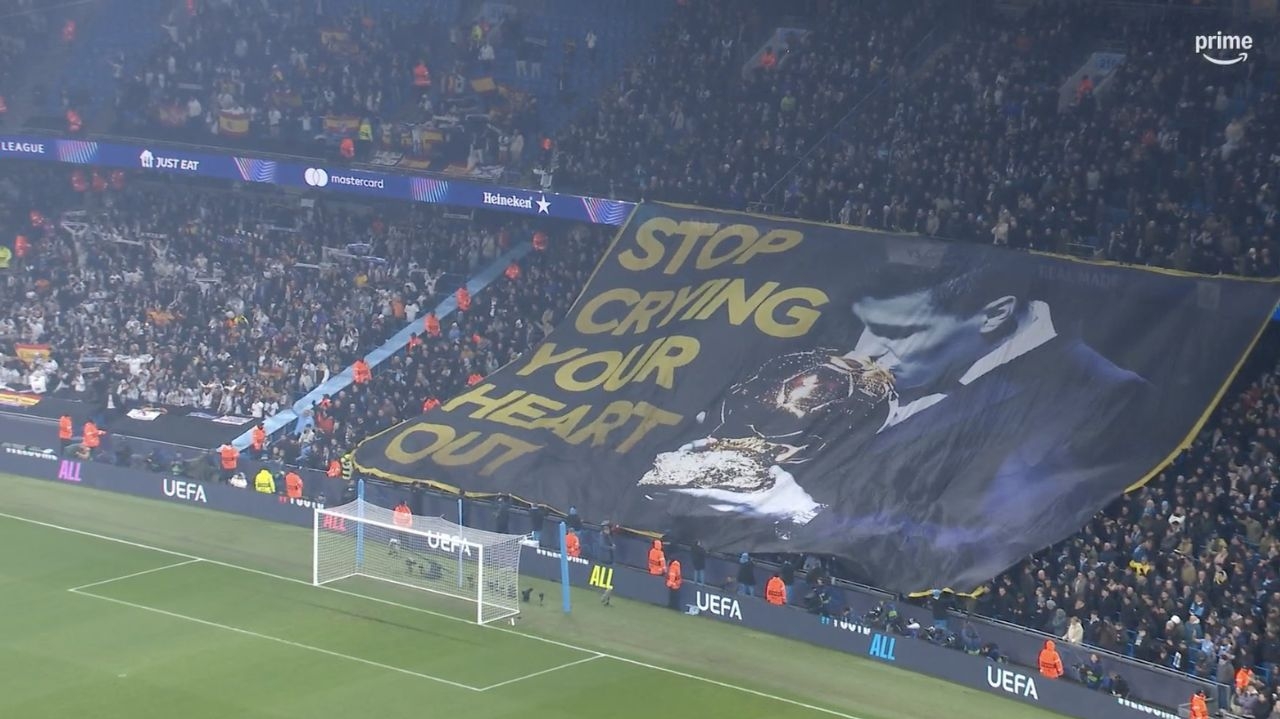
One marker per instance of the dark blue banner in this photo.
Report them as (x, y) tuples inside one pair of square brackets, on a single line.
[(318, 175)]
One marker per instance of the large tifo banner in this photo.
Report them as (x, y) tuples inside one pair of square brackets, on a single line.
[(929, 412)]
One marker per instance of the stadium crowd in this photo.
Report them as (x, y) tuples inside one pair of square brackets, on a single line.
[(27, 26), (267, 297), (905, 118), (301, 77), (1182, 572), (1171, 164), (509, 317)]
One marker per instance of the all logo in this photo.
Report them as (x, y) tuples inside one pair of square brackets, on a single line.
[(69, 471)]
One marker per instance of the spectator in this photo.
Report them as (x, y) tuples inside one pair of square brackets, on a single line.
[(746, 575)]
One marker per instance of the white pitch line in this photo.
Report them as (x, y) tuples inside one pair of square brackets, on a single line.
[(535, 637), (584, 660), (278, 640), (135, 574)]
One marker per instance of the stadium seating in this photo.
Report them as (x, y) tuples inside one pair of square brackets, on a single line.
[(897, 117), (270, 296)]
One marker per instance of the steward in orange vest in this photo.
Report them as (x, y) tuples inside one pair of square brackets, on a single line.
[(572, 546), (463, 298), (1199, 707), (674, 581), (360, 372), (92, 435), (403, 516), (775, 592), (66, 430), (347, 148), (431, 324), (429, 404), (228, 456), (293, 485), (657, 559), (512, 272), (335, 469), (1244, 676), (1050, 662), (259, 438)]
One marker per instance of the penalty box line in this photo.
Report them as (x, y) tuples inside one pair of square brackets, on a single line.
[(249, 633), (80, 589), (505, 630)]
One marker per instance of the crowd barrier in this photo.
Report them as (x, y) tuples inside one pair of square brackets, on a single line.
[(315, 174), (619, 569), (914, 655)]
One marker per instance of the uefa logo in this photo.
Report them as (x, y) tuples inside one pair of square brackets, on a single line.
[(315, 177)]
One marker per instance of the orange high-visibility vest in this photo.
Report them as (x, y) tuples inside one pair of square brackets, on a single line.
[(775, 592), (464, 299), (674, 578), (65, 430), (431, 324), (657, 559), (229, 456), (512, 272), (1199, 707), (293, 485), (572, 545), (1244, 675), (361, 372), (402, 517), (1050, 662), (335, 469), (92, 435), (259, 438)]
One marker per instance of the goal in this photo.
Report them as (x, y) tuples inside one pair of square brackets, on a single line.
[(359, 539)]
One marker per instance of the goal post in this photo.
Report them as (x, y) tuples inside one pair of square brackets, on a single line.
[(431, 554)]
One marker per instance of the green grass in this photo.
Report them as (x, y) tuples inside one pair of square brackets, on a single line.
[(239, 632)]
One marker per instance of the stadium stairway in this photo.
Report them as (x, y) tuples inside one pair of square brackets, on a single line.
[(295, 415)]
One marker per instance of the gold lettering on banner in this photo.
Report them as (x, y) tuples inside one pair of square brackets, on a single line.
[(529, 411), (449, 450), (580, 370), (623, 310), (736, 244)]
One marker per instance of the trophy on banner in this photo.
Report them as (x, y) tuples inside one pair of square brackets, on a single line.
[(776, 419)]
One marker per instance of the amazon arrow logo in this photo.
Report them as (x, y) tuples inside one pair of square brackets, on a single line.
[(1219, 43)]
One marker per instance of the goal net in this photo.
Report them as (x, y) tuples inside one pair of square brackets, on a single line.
[(359, 539)]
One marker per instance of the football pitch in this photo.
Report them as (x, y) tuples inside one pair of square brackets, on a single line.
[(114, 606)]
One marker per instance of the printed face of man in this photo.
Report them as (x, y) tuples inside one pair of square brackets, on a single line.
[(922, 346)]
